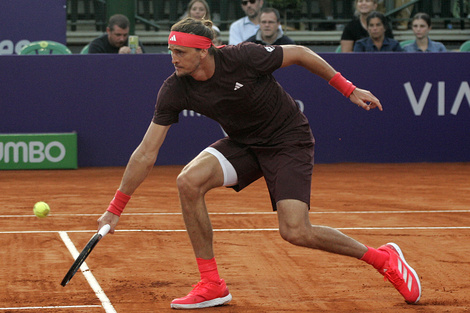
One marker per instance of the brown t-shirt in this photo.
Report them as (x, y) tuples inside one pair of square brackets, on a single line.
[(242, 96)]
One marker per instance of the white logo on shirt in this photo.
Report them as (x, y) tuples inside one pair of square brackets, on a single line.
[(269, 48), (237, 86), (173, 38)]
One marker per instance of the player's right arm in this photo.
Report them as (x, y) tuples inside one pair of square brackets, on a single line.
[(143, 158), (139, 166)]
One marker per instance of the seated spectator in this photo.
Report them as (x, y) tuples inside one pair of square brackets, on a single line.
[(199, 10), (116, 38), (247, 26), (217, 39), (270, 32), (357, 28), (421, 25), (377, 41)]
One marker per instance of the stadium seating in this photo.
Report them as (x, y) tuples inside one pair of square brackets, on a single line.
[(406, 42), (45, 47), (465, 46), (85, 49)]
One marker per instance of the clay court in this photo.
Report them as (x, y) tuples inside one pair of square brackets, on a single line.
[(423, 207)]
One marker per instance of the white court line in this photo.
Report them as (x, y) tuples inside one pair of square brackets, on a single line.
[(52, 307), (236, 229), (253, 213), (276, 229), (107, 304), (108, 307)]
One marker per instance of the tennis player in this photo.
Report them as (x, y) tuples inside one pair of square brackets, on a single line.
[(268, 136)]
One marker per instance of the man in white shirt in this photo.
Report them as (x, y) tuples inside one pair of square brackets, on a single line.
[(247, 26)]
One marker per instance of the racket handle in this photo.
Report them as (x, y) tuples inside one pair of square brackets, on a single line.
[(104, 230)]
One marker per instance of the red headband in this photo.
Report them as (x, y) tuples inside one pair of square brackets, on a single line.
[(189, 40)]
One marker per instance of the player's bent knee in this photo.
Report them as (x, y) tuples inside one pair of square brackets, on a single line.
[(187, 185), (193, 183), (295, 236)]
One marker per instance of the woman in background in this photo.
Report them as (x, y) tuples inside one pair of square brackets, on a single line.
[(421, 25), (377, 40), (199, 10), (357, 28)]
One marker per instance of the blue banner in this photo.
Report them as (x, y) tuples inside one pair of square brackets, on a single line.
[(108, 100), (25, 21)]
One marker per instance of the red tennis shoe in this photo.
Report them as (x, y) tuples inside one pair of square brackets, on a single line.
[(402, 276), (205, 294)]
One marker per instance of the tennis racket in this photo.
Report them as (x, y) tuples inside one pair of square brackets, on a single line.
[(84, 254)]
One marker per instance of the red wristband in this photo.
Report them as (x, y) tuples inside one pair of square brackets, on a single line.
[(117, 205), (342, 84)]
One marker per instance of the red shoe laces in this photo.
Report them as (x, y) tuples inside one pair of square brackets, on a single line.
[(393, 277), (200, 286)]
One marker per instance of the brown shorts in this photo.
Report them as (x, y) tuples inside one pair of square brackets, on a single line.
[(287, 168)]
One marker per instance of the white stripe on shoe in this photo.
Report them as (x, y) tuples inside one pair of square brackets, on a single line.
[(407, 266)]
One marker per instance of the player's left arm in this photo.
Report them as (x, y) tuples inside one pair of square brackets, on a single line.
[(303, 56)]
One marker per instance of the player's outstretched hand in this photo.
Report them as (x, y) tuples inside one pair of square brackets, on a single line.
[(365, 99), (108, 218)]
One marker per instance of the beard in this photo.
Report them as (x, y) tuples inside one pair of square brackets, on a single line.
[(182, 72)]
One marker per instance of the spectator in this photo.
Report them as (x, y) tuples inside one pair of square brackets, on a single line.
[(247, 26), (217, 40), (116, 38), (421, 25), (357, 28), (199, 10), (268, 33), (377, 41)]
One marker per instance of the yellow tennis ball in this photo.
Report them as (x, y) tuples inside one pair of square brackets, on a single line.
[(41, 209)]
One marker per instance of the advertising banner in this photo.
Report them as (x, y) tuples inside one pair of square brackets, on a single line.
[(25, 21), (109, 101), (38, 151)]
